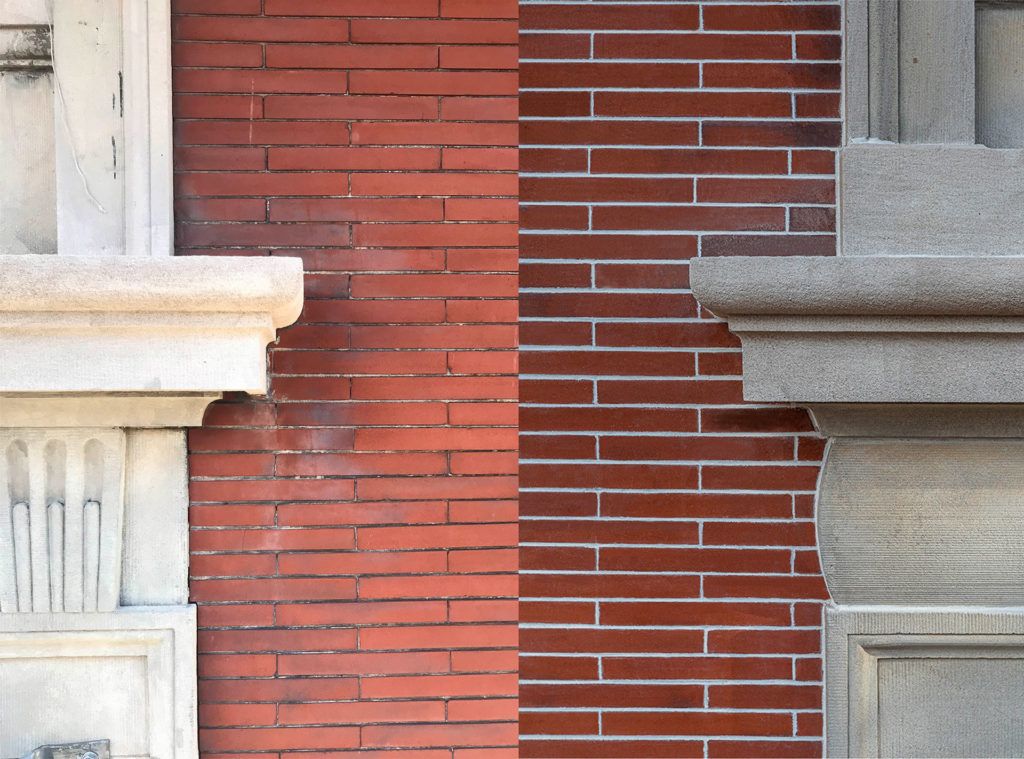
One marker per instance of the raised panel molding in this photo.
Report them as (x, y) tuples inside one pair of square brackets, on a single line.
[(924, 682), (128, 676)]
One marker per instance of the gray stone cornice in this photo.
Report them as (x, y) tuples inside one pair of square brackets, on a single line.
[(873, 330), (860, 285)]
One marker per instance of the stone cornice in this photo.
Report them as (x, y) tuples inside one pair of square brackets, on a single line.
[(267, 287), (860, 285), (856, 330), (136, 341)]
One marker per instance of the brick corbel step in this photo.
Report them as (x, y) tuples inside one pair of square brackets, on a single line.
[(911, 368)]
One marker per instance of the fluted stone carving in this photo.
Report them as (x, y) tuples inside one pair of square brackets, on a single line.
[(61, 517)]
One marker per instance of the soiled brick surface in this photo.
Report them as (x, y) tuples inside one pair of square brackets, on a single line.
[(354, 535), (671, 594)]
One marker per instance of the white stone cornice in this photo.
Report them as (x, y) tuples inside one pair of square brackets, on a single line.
[(266, 287), (136, 342)]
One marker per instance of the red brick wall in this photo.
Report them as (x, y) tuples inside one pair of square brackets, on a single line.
[(671, 590), (354, 536)]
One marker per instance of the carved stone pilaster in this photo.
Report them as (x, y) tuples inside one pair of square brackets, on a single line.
[(106, 361), (912, 369)]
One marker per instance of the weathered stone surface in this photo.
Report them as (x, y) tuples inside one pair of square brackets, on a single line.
[(181, 328), (61, 519), (165, 410), (81, 750), (270, 287), (108, 348), (127, 675)]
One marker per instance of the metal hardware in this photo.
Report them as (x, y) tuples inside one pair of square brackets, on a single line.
[(85, 750), (26, 48)]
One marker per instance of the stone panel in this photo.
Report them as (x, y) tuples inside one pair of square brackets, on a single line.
[(925, 682), (128, 676)]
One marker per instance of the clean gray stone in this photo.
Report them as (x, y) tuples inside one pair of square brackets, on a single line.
[(924, 682), (861, 286), (872, 329), (923, 521), (930, 200)]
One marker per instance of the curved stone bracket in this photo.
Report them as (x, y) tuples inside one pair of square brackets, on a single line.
[(913, 368), (105, 360)]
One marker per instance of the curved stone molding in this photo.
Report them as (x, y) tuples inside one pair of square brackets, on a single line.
[(61, 520), (923, 521)]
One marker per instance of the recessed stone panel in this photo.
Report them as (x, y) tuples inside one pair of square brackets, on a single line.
[(924, 683), (127, 676), (930, 707)]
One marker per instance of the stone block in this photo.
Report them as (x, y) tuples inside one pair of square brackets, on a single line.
[(940, 682)]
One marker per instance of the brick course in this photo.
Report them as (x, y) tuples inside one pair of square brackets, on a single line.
[(354, 535), (671, 593)]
